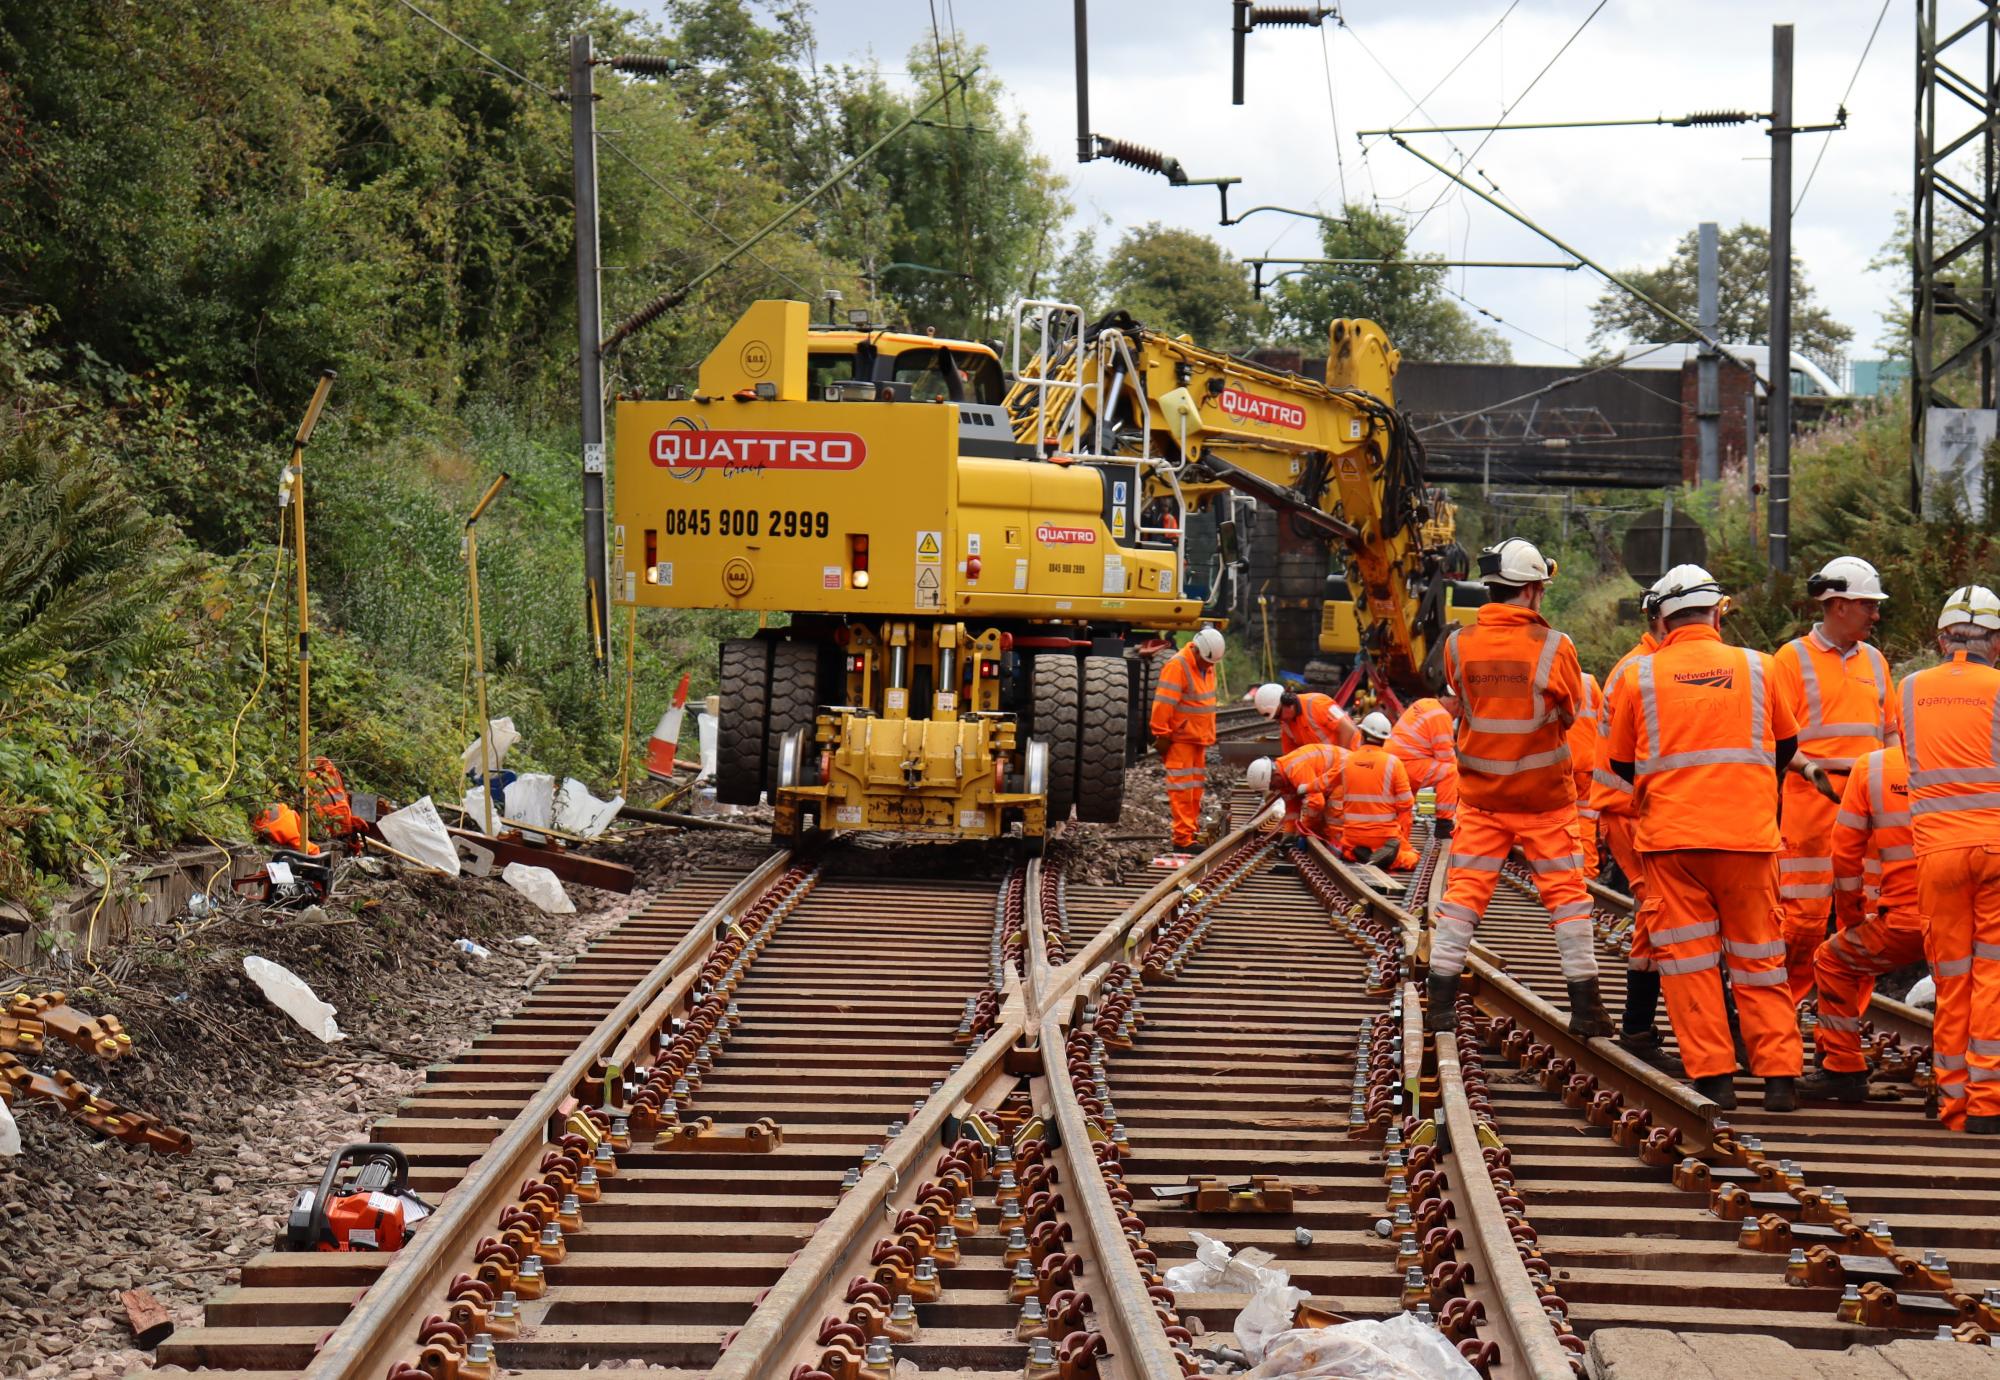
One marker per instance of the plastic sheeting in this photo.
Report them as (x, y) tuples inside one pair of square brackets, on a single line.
[(531, 800), (705, 727), (504, 735), (287, 991), (539, 885), (1923, 993), (417, 830), (579, 812), (1399, 1348), (1217, 1269), (10, 1134)]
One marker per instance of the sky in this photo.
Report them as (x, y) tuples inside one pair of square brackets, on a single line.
[(1160, 76)]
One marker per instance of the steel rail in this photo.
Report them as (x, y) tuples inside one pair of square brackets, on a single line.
[(379, 1331)]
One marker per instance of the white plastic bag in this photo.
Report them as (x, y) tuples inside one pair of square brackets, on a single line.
[(705, 725), (476, 802), (1923, 993), (539, 885), (10, 1134), (1268, 1313), (504, 737), (287, 991), (1398, 1348), (417, 831), (580, 812), (1205, 1274), (531, 801)]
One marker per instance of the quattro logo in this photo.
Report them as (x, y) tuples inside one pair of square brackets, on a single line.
[(1048, 534), (1252, 407), (758, 450)]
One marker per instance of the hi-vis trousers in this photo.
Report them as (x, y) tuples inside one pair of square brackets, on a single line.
[(1549, 841), (1958, 891), (1846, 966), (1187, 773)]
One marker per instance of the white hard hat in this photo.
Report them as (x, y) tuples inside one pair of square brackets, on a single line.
[(1687, 587), (1266, 698), (1258, 776), (1649, 602), (1846, 577), (1514, 562), (1208, 644), (1376, 727), (1974, 604)]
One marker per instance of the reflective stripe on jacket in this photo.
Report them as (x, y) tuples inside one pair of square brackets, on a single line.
[(1519, 686), (1582, 739), (1700, 722), (1844, 702), (1184, 703), (1874, 860), (1312, 780), (1423, 733), (1319, 720), (1610, 793), (1379, 799), (1951, 736)]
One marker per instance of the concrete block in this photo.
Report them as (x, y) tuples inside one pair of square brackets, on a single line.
[(1744, 1353), (1942, 1360), (1855, 1363), (1643, 1353)]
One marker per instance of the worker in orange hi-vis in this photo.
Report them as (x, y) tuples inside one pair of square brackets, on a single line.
[(1700, 729), (1839, 690), (1583, 760), (1520, 687), (1183, 728), (1878, 925), (1951, 737), (1611, 799), (1312, 783), (1304, 716), (1379, 802), (1423, 741)]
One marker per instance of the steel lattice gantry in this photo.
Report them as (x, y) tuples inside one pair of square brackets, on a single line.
[(1955, 226)]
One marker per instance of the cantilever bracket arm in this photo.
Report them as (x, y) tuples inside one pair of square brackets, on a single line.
[(1222, 186)]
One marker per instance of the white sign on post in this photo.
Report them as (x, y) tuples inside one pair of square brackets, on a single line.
[(1955, 442)]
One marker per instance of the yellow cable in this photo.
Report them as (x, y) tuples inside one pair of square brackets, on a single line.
[(90, 933), (625, 744), (263, 667)]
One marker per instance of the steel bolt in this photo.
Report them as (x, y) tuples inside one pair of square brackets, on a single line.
[(1031, 1309), (505, 1306), (1041, 1351), (880, 1353), (903, 1310)]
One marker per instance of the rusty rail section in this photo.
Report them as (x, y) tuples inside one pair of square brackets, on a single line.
[(1824, 1227)]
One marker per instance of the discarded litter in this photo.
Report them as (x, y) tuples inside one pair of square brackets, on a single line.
[(527, 941), (288, 992), (1217, 1269), (1922, 993), (531, 801), (1398, 1348), (539, 885), (504, 736), (466, 946), (10, 1134), (583, 814), (706, 728), (418, 831)]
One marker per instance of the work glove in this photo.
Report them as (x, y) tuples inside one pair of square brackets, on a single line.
[(1160, 745), (1385, 855), (1816, 776)]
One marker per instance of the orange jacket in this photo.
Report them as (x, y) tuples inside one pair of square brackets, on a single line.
[(1313, 784), (1519, 689), (1700, 722), (1582, 739), (1319, 720), (1610, 793), (1184, 703), (1844, 702), (1874, 862), (1951, 736), (1423, 734), (1379, 799)]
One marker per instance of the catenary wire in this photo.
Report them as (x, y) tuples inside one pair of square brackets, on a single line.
[(1880, 15)]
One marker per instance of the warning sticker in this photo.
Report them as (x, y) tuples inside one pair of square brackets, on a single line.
[(895, 699), (1117, 522), (1114, 575), (930, 546), (1021, 573), (847, 814), (972, 819), (972, 543), (666, 574), (946, 703), (1118, 492), (929, 596), (830, 577)]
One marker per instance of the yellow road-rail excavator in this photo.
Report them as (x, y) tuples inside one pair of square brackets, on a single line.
[(979, 580)]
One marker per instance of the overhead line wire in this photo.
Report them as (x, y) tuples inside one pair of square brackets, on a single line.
[(1866, 48), (1333, 114), (1416, 107), (468, 43)]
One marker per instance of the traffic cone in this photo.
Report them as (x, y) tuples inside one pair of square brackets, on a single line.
[(667, 736)]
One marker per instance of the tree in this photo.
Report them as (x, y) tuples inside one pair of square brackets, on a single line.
[(1183, 283), (1743, 300), (1406, 297)]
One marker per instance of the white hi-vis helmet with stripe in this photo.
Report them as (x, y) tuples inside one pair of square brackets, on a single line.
[(1258, 776), (1515, 561), (1687, 587), (1376, 727), (1846, 577), (1208, 644), (1267, 698), (1974, 604)]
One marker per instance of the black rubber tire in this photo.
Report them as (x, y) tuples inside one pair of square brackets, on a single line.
[(1100, 748), (744, 686), (1058, 695), (793, 702)]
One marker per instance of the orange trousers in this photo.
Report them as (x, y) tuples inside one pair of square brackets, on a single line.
[(1805, 877), (1958, 891), (1479, 849), (1187, 773), (1441, 777), (1586, 837), (1706, 909), (1405, 859), (1620, 836), (1846, 967)]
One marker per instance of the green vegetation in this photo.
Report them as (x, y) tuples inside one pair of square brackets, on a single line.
[(203, 203)]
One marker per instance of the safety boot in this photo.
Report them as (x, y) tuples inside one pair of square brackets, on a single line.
[(1719, 1088), (1649, 1047), (1441, 1002), (1829, 1085), (1781, 1093), (1642, 1001), (1441, 828), (1587, 1016), (1385, 855), (1982, 1125)]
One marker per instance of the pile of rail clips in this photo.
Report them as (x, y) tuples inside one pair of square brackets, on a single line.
[(26, 1026)]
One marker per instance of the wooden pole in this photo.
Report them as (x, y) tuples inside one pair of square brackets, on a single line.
[(298, 499), (479, 654)]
